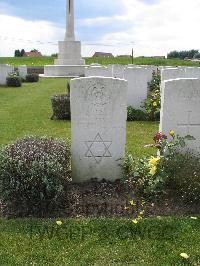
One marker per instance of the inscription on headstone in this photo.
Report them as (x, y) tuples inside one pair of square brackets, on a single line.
[(180, 109), (98, 122)]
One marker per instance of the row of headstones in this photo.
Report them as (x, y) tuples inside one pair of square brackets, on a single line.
[(5, 70), (98, 117), (138, 77), (180, 103)]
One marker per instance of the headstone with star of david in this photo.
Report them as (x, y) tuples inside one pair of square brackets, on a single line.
[(98, 127), (180, 109)]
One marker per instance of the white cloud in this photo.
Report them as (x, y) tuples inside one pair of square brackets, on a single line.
[(18, 33), (155, 29), (159, 28)]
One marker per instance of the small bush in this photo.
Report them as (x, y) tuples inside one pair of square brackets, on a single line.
[(61, 107), (135, 114), (32, 77), (13, 80), (152, 176), (152, 103), (184, 172), (33, 172)]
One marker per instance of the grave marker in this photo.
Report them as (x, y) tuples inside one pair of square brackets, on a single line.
[(98, 124)]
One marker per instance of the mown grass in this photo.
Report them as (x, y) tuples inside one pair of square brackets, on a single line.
[(41, 61), (27, 110), (84, 242)]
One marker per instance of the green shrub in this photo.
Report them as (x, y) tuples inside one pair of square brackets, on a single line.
[(32, 77), (135, 114), (13, 80), (184, 172), (61, 107), (33, 172), (150, 176), (152, 103)]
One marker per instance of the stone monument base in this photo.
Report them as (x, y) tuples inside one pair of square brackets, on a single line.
[(69, 53), (64, 71)]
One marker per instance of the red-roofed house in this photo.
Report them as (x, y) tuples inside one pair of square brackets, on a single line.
[(32, 54)]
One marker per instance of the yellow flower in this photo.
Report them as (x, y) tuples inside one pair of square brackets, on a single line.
[(142, 212), (126, 208), (194, 218), (59, 222), (153, 170), (152, 204), (155, 104), (154, 161), (132, 203), (184, 255), (172, 133), (135, 221)]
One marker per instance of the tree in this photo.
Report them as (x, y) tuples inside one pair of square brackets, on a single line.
[(34, 50), (17, 53), (22, 52), (182, 54)]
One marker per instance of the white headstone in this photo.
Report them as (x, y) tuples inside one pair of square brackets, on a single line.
[(180, 72), (101, 71), (5, 70), (98, 124), (117, 71), (138, 79), (22, 71), (180, 109)]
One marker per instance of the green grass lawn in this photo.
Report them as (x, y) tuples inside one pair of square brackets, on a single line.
[(27, 110), (41, 61), (153, 242)]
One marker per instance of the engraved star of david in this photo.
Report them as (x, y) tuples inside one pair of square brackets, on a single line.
[(98, 148)]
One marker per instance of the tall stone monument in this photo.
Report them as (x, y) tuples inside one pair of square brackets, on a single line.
[(98, 124), (69, 62)]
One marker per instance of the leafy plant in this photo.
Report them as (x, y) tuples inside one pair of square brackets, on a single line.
[(32, 77), (61, 107), (150, 175), (135, 114), (13, 80), (33, 172), (152, 103)]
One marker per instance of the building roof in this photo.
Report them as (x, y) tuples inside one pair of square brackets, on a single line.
[(32, 54), (102, 54)]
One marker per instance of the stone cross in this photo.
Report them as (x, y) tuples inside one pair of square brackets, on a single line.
[(70, 36)]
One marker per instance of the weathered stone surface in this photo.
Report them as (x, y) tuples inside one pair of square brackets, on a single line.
[(22, 71), (5, 70), (180, 72), (117, 71), (64, 71), (98, 124), (100, 71), (180, 110), (138, 79)]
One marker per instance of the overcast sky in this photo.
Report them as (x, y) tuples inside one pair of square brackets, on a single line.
[(151, 27)]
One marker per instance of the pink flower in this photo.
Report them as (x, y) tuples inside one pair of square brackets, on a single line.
[(159, 136)]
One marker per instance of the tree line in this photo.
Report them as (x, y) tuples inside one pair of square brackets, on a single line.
[(191, 54)]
